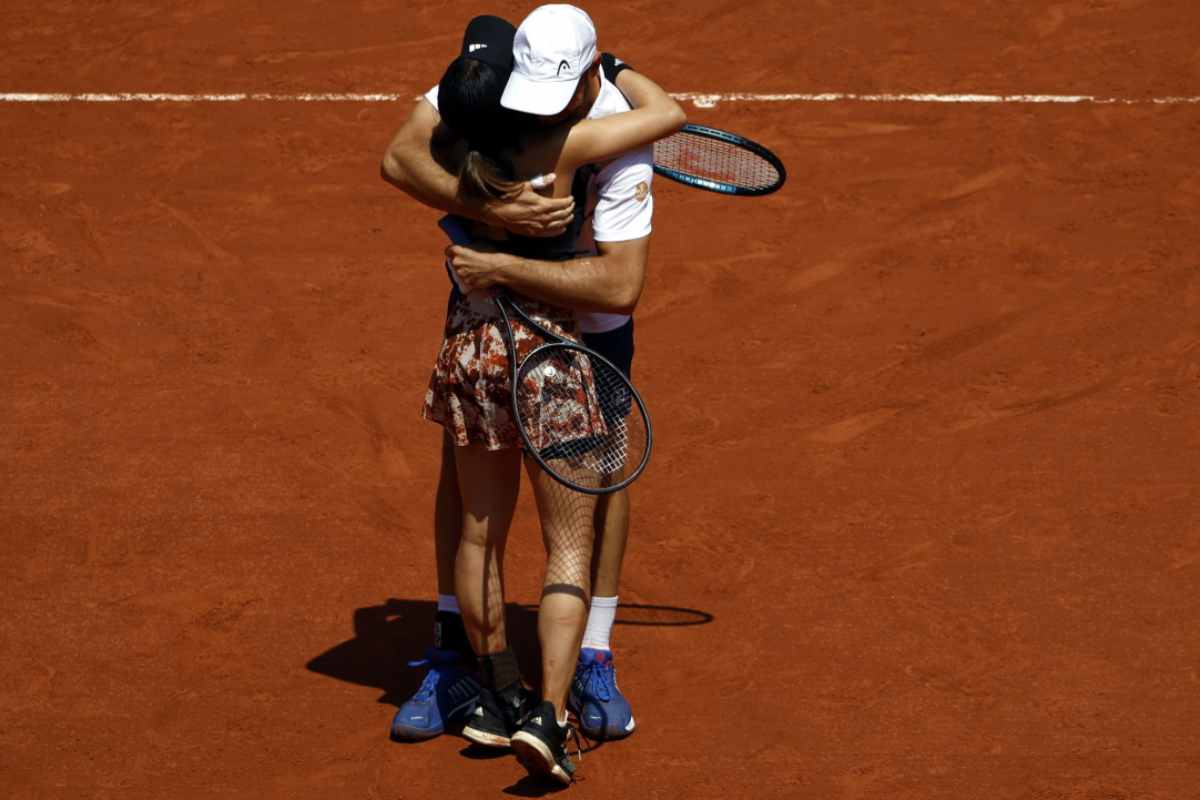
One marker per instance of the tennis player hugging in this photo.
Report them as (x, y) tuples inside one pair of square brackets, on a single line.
[(539, 149)]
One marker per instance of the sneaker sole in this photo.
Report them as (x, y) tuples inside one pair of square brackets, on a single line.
[(604, 735), (486, 739), (399, 734), (536, 757)]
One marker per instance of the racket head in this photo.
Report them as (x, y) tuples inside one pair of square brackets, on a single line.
[(581, 419), (718, 161)]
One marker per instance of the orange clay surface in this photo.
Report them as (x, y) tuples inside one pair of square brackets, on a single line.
[(927, 419)]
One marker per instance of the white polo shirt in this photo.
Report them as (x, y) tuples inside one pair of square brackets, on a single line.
[(620, 203)]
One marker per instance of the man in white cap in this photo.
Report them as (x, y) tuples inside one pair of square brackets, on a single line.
[(558, 73), (555, 47)]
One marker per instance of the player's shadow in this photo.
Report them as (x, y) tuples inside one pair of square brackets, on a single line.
[(530, 786), (387, 636)]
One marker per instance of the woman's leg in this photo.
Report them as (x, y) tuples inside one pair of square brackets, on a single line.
[(568, 532), (488, 481), (447, 518)]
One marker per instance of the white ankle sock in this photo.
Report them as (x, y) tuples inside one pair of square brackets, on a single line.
[(601, 616), (448, 602)]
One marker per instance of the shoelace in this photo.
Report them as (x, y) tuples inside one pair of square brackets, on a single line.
[(596, 679), (573, 733), (428, 686)]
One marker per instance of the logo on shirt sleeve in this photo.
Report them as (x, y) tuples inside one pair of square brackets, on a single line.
[(641, 191)]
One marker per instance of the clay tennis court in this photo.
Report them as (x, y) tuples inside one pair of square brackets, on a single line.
[(923, 517)]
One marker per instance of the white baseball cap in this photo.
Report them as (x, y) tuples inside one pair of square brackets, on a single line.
[(554, 46)]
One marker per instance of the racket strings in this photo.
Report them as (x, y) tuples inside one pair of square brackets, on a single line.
[(716, 160), (581, 417)]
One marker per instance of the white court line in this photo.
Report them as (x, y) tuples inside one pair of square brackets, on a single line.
[(699, 99), (163, 97), (709, 100)]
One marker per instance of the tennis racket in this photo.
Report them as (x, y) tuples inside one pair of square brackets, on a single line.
[(579, 417), (718, 161)]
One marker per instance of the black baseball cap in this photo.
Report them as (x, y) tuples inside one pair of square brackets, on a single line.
[(469, 92), (489, 39)]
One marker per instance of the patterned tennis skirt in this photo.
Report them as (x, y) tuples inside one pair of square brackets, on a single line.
[(470, 390)]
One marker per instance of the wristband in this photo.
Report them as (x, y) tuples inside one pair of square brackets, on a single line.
[(612, 66)]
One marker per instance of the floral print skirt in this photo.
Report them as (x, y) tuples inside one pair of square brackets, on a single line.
[(470, 392)]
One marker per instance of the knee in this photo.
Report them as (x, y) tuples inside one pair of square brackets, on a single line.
[(570, 566), (474, 531)]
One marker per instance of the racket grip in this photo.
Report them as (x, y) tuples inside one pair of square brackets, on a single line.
[(539, 181)]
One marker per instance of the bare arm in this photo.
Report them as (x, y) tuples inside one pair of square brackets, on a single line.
[(656, 115), (639, 90), (409, 165), (609, 282)]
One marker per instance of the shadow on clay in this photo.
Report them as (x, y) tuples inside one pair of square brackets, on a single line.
[(387, 636)]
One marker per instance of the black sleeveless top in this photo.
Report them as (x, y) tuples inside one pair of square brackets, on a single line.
[(563, 246)]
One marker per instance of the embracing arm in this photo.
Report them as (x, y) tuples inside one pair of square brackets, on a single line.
[(610, 282), (409, 165), (639, 90), (656, 115)]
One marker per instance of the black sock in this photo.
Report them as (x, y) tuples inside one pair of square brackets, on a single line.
[(499, 671), (449, 634)]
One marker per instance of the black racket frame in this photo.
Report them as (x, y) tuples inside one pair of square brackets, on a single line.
[(505, 303), (719, 186)]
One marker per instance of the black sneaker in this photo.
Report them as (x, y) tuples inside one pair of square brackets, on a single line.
[(541, 745), (498, 716)]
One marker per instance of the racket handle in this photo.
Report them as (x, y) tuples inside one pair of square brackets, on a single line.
[(540, 181)]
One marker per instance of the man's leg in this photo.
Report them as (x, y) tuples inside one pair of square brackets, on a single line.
[(603, 711), (612, 531), (447, 693)]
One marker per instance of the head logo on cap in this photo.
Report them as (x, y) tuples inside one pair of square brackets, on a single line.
[(554, 47)]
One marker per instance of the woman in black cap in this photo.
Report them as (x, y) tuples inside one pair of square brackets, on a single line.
[(470, 393)]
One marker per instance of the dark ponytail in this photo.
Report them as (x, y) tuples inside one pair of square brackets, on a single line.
[(469, 103)]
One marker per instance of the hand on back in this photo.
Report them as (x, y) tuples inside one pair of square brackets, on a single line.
[(531, 213)]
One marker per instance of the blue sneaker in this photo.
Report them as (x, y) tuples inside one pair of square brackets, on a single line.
[(603, 711), (448, 694)]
